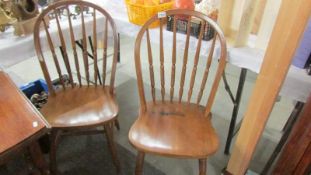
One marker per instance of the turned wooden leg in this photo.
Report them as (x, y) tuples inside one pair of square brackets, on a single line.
[(54, 139), (202, 166), (139, 163), (112, 147), (38, 159)]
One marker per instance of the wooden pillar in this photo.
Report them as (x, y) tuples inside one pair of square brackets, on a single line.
[(289, 27), (247, 20), (267, 23), (258, 16), (225, 15)]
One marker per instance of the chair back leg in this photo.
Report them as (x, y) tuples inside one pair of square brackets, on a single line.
[(109, 135), (54, 140), (139, 163)]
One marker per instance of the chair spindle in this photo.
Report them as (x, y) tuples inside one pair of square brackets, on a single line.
[(173, 60), (151, 71), (196, 61), (51, 46), (73, 44), (206, 71), (84, 43), (64, 49), (105, 51), (96, 71), (185, 60), (162, 61)]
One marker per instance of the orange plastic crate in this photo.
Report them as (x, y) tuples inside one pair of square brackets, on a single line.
[(139, 14)]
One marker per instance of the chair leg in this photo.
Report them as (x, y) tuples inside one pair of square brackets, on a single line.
[(139, 163), (117, 125), (38, 159), (202, 166), (112, 147), (54, 140)]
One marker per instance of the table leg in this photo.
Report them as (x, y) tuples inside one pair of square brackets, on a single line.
[(119, 54), (235, 111), (289, 125), (38, 159)]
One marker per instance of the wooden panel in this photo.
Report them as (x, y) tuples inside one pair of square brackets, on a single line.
[(247, 20), (285, 37), (18, 118), (296, 154)]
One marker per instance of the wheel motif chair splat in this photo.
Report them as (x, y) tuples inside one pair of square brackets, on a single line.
[(91, 103), (172, 126)]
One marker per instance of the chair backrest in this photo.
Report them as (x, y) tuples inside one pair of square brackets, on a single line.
[(65, 26), (172, 65)]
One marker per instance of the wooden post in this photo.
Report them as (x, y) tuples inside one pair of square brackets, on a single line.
[(285, 37), (225, 15), (247, 20), (258, 16), (267, 23)]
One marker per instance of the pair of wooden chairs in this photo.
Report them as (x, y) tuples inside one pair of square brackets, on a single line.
[(167, 127)]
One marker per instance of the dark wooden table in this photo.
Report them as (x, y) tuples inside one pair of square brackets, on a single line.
[(21, 125)]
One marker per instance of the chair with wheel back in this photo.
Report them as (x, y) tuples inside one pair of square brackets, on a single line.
[(86, 100), (168, 124)]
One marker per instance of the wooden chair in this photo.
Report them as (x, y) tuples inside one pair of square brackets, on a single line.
[(87, 104), (176, 127)]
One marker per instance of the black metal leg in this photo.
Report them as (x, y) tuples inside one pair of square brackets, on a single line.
[(237, 101), (119, 54), (291, 121), (81, 47)]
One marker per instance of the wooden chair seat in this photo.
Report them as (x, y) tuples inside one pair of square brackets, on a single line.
[(80, 107), (171, 129)]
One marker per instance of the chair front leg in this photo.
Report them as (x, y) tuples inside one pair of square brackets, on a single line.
[(111, 145), (202, 166), (54, 140), (139, 163)]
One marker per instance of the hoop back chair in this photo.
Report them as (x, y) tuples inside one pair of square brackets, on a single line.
[(171, 126), (91, 101)]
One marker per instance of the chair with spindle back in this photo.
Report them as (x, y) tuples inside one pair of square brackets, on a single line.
[(86, 104), (173, 126)]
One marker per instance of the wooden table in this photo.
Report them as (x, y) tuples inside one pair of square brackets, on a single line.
[(21, 125)]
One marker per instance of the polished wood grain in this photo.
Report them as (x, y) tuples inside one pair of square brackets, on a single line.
[(80, 107), (20, 124), (89, 104), (17, 115), (176, 128), (295, 157)]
